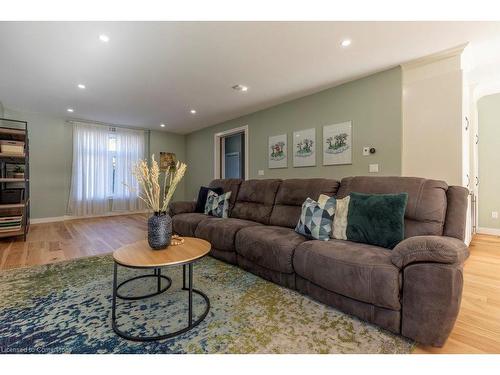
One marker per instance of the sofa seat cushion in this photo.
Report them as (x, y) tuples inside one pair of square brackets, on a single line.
[(221, 232), (268, 246), (185, 224), (355, 270)]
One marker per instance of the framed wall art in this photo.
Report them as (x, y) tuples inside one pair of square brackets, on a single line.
[(167, 161), (277, 151), (304, 148), (337, 143)]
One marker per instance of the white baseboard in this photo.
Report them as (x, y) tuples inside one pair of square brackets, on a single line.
[(47, 219), (492, 231), (71, 217)]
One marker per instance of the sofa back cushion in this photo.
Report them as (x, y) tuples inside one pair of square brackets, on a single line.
[(255, 200), (228, 185), (293, 192), (425, 212)]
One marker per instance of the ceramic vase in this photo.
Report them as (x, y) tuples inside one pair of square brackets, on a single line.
[(159, 230)]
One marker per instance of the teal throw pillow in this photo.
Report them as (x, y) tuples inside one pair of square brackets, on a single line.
[(376, 219)]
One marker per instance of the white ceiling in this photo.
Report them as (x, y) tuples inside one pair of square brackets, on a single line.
[(154, 72)]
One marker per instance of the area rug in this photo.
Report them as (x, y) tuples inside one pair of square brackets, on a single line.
[(66, 308)]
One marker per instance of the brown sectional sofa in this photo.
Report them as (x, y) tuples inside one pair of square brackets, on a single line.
[(413, 290)]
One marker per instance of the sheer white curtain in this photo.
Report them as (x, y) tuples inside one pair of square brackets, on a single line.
[(89, 182), (102, 163), (129, 150)]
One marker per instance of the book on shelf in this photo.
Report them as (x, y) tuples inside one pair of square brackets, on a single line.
[(10, 218), (10, 223), (10, 229)]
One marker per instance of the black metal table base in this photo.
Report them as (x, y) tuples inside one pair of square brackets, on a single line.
[(157, 274)]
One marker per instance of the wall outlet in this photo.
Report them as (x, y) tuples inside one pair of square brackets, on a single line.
[(494, 214), (260, 172), (366, 151), (373, 168)]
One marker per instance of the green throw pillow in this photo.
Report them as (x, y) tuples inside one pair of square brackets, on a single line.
[(376, 219)]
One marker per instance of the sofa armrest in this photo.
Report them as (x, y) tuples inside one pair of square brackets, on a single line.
[(432, 249), (181, 207)]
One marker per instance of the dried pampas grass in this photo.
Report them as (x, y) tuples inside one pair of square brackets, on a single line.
[(156, 198)]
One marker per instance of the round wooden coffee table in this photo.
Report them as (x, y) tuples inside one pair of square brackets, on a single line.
[(140, 256)]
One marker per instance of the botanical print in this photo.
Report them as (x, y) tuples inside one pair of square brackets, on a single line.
[(304, 148), (337, 143), (277, 151)]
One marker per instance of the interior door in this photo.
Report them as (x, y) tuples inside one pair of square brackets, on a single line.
[(233, 156)]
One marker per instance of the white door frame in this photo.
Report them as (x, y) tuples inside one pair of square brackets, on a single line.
[(217, 149)]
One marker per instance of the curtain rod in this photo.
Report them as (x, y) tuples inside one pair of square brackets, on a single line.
[(107, 124)]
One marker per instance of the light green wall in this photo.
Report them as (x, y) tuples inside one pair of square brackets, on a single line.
[(51, 155), (50, 162), (489, 160), (373, 104)]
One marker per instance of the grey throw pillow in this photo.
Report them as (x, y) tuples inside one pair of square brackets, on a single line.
[(217, 205)]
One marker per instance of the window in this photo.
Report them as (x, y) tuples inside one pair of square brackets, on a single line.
[(103, 159), (111, 164)]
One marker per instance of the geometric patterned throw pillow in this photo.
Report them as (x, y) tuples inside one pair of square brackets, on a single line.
[(316, 218), (327, 203), (217, 205)]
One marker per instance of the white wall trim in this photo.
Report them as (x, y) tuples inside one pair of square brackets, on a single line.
[(217, 154), (492, 231), (54, 219), (443, 55)]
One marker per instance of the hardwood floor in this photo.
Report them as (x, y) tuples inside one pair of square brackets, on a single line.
[(477, 329), (65, 240)]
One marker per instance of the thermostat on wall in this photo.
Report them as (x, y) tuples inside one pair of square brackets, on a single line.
[(367, 150)]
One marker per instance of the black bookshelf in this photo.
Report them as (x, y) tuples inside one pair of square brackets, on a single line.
[(14, 185)]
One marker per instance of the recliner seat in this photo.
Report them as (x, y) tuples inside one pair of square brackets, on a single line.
[(355, 270)]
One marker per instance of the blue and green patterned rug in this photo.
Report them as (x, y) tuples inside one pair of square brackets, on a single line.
[(66, 308)]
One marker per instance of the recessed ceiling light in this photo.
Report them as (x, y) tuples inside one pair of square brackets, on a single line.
[(81, 86), (346, 43), (240, 88), (104, 38), (193, 111), (70, 110), (162, 125)]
